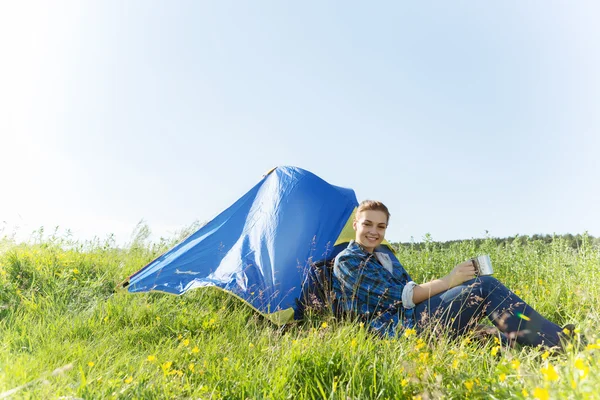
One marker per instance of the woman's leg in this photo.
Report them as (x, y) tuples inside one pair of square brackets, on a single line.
[(461, 307)]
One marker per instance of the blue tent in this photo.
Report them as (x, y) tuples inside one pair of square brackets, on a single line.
[(261, 248)]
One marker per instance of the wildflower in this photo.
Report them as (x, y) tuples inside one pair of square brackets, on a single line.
[(494, 351), (549, 373), (75, 271), (541, 394), (129, 379), (517, 292), (195, 349), (409, 331), (525, 393), (420, 344), (496, 340), (324, 325), (225, 359), (166, 367), (294, 341), (180, 336), (502, 377), (151, 358), (581, 367), (469, 385), (424, 357), (455, 363), (545, 355), (179, 373), (186, 342), (157, 318), (515, 364), (353, 343), (592, 346), (404, 382), (191, 367), (251, 345), (541, 282)]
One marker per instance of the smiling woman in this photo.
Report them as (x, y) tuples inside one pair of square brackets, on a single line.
[(381, 292)]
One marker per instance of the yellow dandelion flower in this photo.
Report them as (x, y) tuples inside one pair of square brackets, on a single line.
[(550, 373), (466, 341), (294, 341), (179, 373), (212, 321), (420, 344), (324, 325), (525, 393), (541, 282), (469, 385), (75, 271), (225, 359), (180, 336), (404, 382), (167, 366), (455, 363), (592, 346), (418, 397), (361, 325), (195, 349), (91, 364), (515, 364), (502, 377), (151, 358), (424, 356), (541, 394), (353, 343), (186, 342), (191, 367), (545, 355), (251, 345), (129, 379), (494, 351), (409, 332), (517, 292)]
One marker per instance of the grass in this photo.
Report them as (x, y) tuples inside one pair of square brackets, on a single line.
[(65, 333)]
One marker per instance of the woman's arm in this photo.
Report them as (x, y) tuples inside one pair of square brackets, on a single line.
[(459, 274)]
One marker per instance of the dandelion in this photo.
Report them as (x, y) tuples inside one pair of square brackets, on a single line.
[(353, 343), (409, 332), (466, 341), (191, 367), (251, 345), (129, 379), (186, 342), (75, 271), (502, 377), (420, 344), (494, 351), (195, 349), (404, 382), (455, 363), (517, 292), (424, 357), (592, 346), (541, 394), (549, 373), (180, 336), (225, 359), (525, 393), (179, 373), (91, 364), (515, 364), (151, 358), (324, 325), (469, 385), (545, 355)]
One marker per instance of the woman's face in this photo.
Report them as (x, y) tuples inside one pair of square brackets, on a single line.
[(370, 226)]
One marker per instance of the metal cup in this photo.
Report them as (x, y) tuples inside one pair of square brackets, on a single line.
[(483, 265)]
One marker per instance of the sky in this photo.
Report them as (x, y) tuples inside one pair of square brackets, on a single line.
[(466, 118)]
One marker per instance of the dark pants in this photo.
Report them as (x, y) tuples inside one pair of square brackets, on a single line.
[(461, 307)]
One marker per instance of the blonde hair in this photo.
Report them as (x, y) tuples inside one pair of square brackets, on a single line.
[(373, 205)]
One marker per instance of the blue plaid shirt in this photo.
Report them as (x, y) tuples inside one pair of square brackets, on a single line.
[(363, 286)]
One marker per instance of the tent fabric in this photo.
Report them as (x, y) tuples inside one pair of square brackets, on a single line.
[(261, 248)]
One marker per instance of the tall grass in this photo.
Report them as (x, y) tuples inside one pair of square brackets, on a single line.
[(58, 310)]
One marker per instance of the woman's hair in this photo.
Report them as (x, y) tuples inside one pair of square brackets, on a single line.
[(373, 205)]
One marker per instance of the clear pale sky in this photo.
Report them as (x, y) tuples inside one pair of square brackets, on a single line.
[(463, 117)]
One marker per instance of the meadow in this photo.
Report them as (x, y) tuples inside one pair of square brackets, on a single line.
[(65, 332)]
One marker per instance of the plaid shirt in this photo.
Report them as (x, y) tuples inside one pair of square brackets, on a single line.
[(363, 286)]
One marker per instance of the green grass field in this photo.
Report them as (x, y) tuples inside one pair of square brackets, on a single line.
[(65, 333)]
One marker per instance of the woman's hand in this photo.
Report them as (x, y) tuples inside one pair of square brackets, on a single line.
[(461, 273)]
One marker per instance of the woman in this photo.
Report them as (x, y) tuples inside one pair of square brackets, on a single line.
[(378, 289)]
